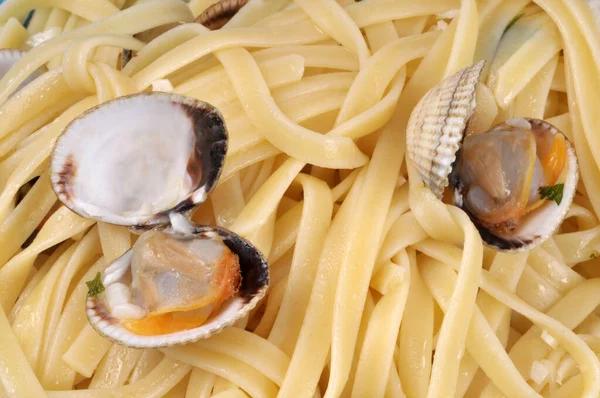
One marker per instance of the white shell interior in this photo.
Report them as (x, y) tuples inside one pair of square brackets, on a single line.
[(128, 163)]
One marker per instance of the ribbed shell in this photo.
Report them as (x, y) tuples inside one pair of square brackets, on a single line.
[(437, 124)]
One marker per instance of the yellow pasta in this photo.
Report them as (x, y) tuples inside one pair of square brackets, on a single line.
[(377, 287)]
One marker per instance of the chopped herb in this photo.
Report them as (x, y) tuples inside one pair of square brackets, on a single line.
[(593, 255), (95, 286), (512, 21), (554, 193)]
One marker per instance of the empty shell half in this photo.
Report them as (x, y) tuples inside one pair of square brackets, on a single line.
[(516, 181), (175, 287), (134, 160)]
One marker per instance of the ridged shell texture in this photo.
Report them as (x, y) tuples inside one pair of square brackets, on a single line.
[(437, 125)]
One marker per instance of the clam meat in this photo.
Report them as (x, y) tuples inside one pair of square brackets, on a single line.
[(175, 287), (177, 282), (501, 175)]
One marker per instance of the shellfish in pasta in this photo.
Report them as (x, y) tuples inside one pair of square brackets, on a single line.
[(175, 287), (218, 14), (145, 161), (516, 181)]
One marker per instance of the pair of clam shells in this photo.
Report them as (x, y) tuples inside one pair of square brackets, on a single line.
[(146, 161), (435, 134)]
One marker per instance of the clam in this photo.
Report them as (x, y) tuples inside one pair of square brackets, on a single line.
[(218, 14), (178, 286), (145, 161), (516, 181), (214, 17)]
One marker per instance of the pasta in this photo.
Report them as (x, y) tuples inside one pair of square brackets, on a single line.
[(378, 288)]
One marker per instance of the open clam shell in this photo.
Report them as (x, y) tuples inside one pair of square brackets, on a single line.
[(536, 226), (134, 160), (254, 283), (435, 135), (437, 125)]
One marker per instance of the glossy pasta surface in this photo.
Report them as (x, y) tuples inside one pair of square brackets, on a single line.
[(378, 289)]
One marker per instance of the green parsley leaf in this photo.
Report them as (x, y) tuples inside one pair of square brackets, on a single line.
[(593, 255), (554, 193), (512, 21), (95, 286)]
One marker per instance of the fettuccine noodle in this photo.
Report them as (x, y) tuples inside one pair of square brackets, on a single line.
[(378, 289)]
